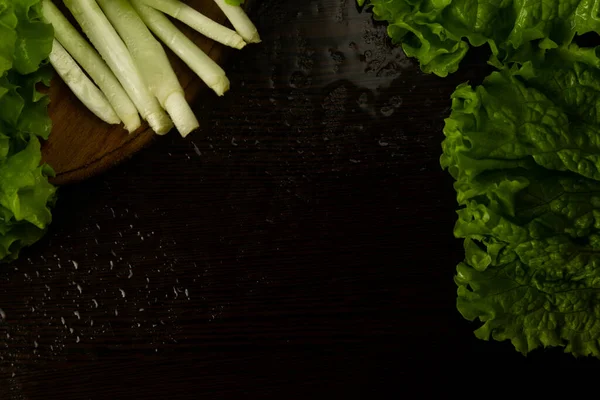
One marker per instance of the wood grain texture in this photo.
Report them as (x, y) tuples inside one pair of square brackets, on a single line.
[(82, 146), (301, 247)]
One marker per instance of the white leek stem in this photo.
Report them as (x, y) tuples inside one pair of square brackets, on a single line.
[(208, 70), (81, 85), (106, 40), (85, 55), (240, 21), (152, 62), (198, 22)]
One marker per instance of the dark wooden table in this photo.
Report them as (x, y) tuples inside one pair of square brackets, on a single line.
[(299, 245)]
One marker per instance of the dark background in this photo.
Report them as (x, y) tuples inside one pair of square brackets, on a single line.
[(299, 244)]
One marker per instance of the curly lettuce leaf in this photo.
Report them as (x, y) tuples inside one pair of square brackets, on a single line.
[(439, 32), (26, 196), (523, 149), (518, 205), (8, 24), (532, 256), (32, 46), (543, 112), (539, 293), (505, 124)]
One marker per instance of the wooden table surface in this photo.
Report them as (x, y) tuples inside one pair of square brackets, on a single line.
[(299, 245)]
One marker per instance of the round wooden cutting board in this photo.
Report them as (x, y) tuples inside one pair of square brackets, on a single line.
[(81, 145)]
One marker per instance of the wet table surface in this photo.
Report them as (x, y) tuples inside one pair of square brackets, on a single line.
[(300, 243)]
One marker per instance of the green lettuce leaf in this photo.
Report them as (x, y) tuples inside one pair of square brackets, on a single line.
[(26, 196), (8, 35), (518, 205), (532, 253), (524, 150), (543, 112), (32, 46), (439, 32), (538, 293)]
